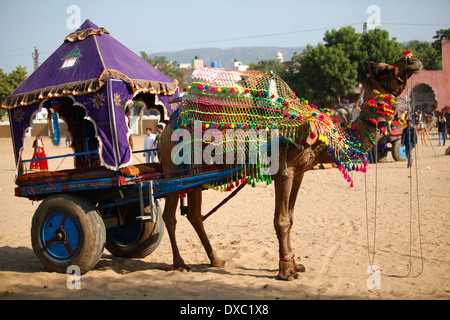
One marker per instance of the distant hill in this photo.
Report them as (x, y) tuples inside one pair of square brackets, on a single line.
[(225, 57)]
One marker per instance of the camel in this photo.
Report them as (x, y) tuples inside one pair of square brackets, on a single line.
[(384, 84)]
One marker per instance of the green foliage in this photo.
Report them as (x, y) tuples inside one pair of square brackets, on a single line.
[(442, 34), (167, 67), (329, 72), (267, 66), (376, 46), (326, 73), (9, 82), (348, 41)]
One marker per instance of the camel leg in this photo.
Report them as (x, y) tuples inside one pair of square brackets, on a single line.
[(293, 197), (282, 223), (170, 221), (195, 218)]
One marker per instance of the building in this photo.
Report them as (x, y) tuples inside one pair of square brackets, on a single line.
[(237, 65), (197, 63), (431, 87), (279, 57)]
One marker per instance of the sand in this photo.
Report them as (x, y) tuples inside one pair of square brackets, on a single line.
[(329, 236)]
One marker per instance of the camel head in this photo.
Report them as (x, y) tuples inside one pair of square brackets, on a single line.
[(393, 77), (385, 83)]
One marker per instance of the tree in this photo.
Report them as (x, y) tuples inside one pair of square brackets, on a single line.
[(326, 74), (9, 83), (376, 46), (348, 41), (266, 66), (329, 72), (441, 34), (167, 67)]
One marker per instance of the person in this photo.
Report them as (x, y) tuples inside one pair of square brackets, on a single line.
[(447, 118), (157, 143), (149, 141), (39, 152), (68, 142), (372, 155), (409, 140), (442, 129)]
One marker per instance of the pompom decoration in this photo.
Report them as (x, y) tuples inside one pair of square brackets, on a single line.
[(407, 54)]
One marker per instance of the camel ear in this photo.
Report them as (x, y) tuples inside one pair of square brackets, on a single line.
[(376, 67), (373, 68)]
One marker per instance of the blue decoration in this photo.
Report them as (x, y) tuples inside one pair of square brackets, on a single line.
[(55, 128)]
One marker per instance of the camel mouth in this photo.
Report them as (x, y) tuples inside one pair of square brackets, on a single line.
[(415, 66)]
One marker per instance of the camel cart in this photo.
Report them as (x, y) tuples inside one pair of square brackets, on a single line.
[(90, 81), (106, 200), (392, 142)]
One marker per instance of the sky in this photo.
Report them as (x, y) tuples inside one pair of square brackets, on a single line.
[(172, 25)]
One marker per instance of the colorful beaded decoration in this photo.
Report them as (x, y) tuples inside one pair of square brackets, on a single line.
[(223, 100), (380, 107)]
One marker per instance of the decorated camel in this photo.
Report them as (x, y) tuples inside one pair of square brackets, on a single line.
[(220, 100)]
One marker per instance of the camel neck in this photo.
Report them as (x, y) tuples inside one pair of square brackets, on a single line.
[(377, 112)]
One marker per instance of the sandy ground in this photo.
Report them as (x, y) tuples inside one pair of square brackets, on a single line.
[(330, 236)]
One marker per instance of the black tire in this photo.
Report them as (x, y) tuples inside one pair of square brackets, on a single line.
[(397, 153), (382, 154), (135, 239), (67, 230)]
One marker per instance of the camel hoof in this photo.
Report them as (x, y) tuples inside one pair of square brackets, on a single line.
[(300, 268), (218, 264), (183, 269), (290, 277), (294, 277)]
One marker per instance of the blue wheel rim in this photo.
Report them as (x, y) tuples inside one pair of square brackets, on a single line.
[(402, 152), (60, 236), (127, 234)]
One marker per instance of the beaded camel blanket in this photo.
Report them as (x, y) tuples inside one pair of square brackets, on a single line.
[(220, 107)]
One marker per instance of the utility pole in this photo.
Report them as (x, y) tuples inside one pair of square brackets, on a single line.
[(35, 56)]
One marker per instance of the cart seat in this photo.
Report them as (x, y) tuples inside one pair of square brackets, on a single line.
[(79, 174)]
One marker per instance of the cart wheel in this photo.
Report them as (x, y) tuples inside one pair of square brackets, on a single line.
[(67, 230), (135, 239), (398, 152)]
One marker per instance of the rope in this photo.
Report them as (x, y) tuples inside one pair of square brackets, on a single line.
[(372, 259)]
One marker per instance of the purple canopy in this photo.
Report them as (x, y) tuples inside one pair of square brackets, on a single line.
[(99, 74)]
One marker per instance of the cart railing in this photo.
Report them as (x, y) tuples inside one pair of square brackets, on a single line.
[(81, 154)]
